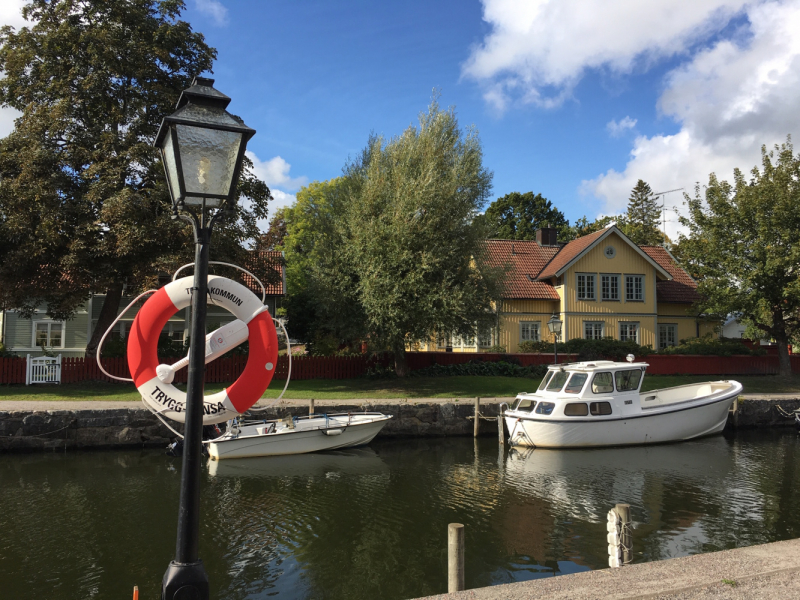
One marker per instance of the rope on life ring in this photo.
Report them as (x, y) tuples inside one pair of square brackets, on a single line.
[(230, 402)]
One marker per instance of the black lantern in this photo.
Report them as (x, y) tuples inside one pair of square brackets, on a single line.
[(202, 146), (554, 325)]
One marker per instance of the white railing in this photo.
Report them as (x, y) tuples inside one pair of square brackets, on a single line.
[(43, 369)]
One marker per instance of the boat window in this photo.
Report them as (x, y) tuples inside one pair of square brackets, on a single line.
[(558, 381), (544, 408), (602, 383), (628, 380), (576, 382), (576, 409), (524, 404), (600, 408), (545, 380)]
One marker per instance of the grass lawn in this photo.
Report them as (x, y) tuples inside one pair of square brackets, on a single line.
[(359, 389)]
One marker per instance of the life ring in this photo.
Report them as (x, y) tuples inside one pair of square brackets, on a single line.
[(245, 391)]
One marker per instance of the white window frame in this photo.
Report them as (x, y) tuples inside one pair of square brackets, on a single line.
[(531, 326), (633, 278), (49, 323), (442, 341), (626, 324), (667, 327), (587, 287), (611, 277), (485, 337), (593, 324)]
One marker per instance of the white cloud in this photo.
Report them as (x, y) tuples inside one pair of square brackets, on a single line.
[(729, 99), (7, 116), (10, 14), (275, 172), (617, 128), (538, 50), (214, 9)]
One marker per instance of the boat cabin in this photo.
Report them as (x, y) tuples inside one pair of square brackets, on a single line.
[(598, 388)]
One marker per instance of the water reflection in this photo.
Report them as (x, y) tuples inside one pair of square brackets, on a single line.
[(371, 523)]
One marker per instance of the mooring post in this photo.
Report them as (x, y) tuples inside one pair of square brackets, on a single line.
[(311, 406), (501, 433), (455, 558), (624, 511), (477, 422)]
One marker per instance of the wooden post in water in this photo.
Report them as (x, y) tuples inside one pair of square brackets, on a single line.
[(455, 558), (311, 406), (624, 511), (477, 422), (501, 434)]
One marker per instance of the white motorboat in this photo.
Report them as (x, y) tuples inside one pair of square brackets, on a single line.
[(296, 435), (598, 403)]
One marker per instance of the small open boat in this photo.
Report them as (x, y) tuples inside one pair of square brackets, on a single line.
[(296, 435), (598, 403)]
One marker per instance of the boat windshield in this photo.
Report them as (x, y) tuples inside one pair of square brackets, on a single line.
[(547, 377), (523, 404), (628, 380), (576, 382), (558, 381)]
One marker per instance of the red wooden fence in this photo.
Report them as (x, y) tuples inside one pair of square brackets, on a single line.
[(227, 369)]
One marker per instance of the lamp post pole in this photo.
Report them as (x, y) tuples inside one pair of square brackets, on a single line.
[(554, 325), (202, 147)]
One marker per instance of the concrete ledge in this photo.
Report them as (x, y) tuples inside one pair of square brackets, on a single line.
[(765, 571)]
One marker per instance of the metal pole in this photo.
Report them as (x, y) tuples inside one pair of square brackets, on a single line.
[(555, 346), (186, 576), (455, 557)]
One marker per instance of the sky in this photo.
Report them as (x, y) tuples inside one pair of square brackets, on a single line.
[(573, 99)]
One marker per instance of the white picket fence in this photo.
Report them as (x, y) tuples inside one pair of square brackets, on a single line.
[(43, 369)]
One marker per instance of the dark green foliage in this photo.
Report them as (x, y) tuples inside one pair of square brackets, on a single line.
[(708, 345), (530, 347), (604, 349), (496, 349), (517, 216), (643, 218), (501, 368)]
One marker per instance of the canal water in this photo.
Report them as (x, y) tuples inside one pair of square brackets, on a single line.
[(372, 523)]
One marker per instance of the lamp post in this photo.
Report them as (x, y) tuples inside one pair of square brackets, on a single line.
[(202, 147), (554, 325)]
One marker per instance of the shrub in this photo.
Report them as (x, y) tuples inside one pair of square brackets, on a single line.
[(6, 353), (707, 345), (502, 368), (496, 349), (605, 349), (530, 346)]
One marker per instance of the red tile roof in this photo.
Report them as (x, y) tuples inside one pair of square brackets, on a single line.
[(268, 266), (525, 259), (682, 289), (568, 253)]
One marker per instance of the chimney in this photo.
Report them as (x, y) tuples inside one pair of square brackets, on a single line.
[(546, 236), (512, 250)]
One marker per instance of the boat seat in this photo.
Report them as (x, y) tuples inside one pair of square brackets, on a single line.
[(703, 390)]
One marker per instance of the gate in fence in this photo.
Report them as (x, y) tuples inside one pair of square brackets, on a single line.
[(43, 369)]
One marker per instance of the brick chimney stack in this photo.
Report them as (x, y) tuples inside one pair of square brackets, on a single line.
[(547, 236)]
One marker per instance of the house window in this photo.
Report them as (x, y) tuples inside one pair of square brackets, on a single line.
[(593, 330), (442, 341), (485, 336), (634, 288), (629, 332), (610, 287), (529, 331), (586, 287), (667, 335), (467, 341), (49, 334)]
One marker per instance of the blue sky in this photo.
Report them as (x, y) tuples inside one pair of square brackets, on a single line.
[(574, 99)]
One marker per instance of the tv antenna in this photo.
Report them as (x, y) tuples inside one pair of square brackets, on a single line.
[(664, 212)]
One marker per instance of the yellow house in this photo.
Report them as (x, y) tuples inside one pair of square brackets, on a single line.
[(599, 285)]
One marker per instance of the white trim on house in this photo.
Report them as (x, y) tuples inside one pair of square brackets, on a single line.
[(49, 322), (594, 244)]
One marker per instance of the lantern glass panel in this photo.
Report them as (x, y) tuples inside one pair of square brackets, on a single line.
[(208, 158), (172, 169)]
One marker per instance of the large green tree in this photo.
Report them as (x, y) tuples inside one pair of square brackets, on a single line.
[(83, 203), (517, 216), (405, 257), (643, 217), (743, 245)]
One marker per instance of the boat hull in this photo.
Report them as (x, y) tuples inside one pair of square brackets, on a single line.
[(296, 442), (684, 423)]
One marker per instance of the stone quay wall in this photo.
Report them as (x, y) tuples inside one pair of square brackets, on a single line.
[(60, 430)]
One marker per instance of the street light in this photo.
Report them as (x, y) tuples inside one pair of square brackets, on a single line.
[(202, 147), (554, 325)]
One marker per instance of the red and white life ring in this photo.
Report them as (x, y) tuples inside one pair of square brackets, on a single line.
[(245, 391)]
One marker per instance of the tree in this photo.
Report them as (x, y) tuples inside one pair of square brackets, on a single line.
[(584, 227), (276, 233), (744, 247), (643, 217), (83, 202), (406, 260), (517, 216)]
